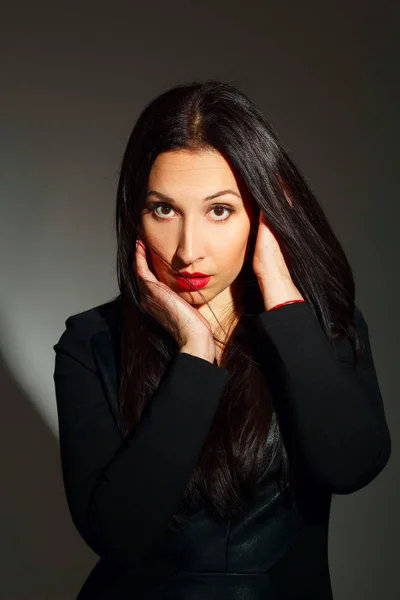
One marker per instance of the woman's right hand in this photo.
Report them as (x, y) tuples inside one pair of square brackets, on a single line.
[(192, 328)]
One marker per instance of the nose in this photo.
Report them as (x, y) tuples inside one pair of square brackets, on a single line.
[(190, 248)]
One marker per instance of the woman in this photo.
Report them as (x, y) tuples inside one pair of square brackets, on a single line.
[(205, 423)]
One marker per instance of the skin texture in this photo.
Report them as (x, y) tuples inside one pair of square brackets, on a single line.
[(194, 235)]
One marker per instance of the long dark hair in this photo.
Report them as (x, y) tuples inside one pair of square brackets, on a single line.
[(216, 115)]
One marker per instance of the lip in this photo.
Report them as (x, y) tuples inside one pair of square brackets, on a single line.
[(195, 274), (199, 282)]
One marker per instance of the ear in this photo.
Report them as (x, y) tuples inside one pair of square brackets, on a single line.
[(285, 189), (288, 198)]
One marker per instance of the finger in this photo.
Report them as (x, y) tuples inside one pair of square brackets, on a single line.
[(141, 262)]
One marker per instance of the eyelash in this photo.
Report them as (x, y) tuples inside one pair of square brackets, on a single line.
[(156, 205)]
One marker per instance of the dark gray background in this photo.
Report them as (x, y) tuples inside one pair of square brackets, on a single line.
[(75, 76)]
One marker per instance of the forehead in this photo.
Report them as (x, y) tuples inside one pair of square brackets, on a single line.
[(197, 172)]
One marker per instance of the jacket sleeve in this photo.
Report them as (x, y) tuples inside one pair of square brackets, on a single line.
[(121, 493), (331, 415)]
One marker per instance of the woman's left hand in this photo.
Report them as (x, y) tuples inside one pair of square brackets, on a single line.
[(269, 265)]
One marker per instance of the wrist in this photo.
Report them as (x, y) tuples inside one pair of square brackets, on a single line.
[(202, 349), (283, 304), (199, 352), (285, 294)]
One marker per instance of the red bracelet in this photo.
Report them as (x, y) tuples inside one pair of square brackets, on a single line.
[(283, 304)]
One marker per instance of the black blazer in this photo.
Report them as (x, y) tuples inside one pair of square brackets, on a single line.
[(122, 493)]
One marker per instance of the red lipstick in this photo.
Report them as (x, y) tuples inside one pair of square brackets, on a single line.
[(193, 280), (194, 274)]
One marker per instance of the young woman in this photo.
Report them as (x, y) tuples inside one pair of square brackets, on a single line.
[(205, 422)]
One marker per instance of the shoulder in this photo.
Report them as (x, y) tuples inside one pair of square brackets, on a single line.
[(359, 318), (81, 328)]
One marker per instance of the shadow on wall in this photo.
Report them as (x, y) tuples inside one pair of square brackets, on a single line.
[(42, 553)]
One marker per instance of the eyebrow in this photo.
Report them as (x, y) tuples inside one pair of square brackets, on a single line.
[(206, 199)]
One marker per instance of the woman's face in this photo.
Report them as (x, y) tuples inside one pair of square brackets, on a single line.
[(192, 232)]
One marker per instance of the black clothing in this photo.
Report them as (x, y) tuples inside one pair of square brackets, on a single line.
[(122, 493)]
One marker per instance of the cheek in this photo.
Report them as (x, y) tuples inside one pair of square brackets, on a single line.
[(231, 253)]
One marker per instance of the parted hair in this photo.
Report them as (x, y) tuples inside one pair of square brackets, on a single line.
[(244, 440)]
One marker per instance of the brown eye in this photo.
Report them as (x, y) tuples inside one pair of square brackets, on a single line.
[(164, 207), (221, 208), (218, 207)]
